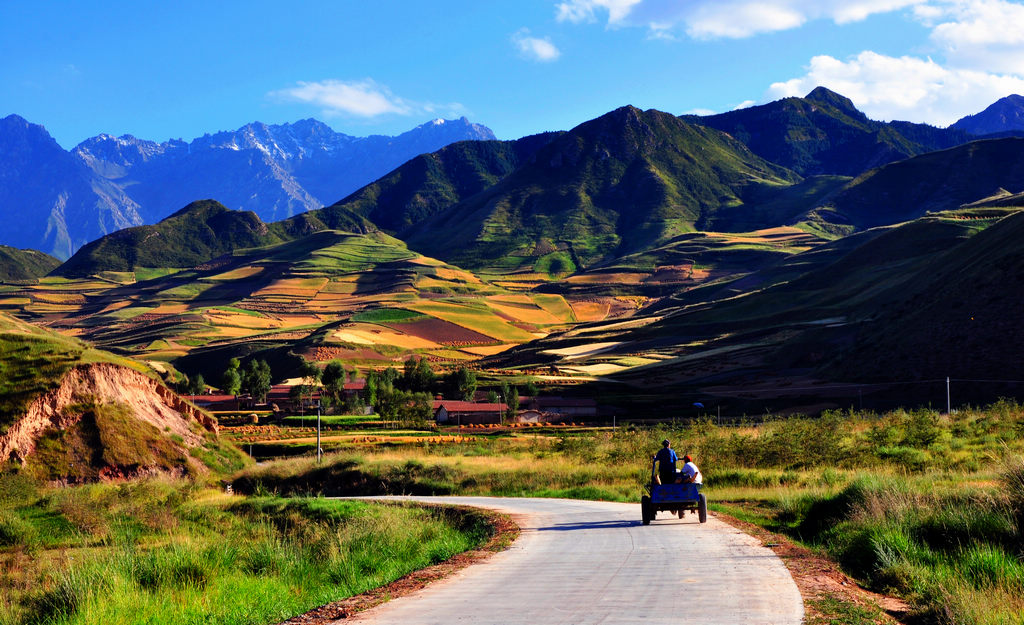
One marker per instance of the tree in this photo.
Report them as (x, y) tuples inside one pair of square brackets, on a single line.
[(197, 385), (333, 380), (530, 390), (353, 374), (510, 395), (492, 397), (461, 384), (417, 376), (256, 380), (231, 380), (309, 372)]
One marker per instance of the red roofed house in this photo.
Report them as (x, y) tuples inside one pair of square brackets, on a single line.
[(450, 411)]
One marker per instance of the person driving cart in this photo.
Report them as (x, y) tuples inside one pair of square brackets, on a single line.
[(666, 459)]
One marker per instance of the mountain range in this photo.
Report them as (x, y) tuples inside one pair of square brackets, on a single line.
[(733, 269), (64, 199)]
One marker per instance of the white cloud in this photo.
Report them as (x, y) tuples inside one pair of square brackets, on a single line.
[(981, 34), (535, 48), (714, 19), (744, 104), (577, 11), (906, 88), (361, 98), (699, 111)]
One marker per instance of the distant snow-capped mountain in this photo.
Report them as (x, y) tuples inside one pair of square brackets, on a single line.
[(61, 199)]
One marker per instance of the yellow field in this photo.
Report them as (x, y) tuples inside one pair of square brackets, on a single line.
[(240, 320), (369, 334), (170, 309), (603, 278), (115, 306), (487, 350), (236, 274), (527, 315), (590, 311), (578, 351), (472, 319), (59, 298), (556, 305), (298, 287)]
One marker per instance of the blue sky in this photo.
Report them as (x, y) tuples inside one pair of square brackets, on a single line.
[(178, 70)]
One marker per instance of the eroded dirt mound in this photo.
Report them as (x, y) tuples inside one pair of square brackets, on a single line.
[(109, 418)]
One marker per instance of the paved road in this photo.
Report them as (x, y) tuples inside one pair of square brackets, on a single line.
[(585, 562)]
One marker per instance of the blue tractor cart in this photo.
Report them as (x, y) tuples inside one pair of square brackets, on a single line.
[(673, 498)]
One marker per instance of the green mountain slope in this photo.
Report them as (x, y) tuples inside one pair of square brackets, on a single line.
[(611, 186), (824, 133), (20, 265), (430, 183), (936, 181), (195, 234)]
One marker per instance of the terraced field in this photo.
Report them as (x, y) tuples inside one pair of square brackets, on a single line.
[(333, 294)]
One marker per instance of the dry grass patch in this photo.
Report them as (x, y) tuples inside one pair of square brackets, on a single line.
[(590, 310), (236, 274)]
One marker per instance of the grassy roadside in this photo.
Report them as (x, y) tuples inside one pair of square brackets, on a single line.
[(174, 552), (921, 505)]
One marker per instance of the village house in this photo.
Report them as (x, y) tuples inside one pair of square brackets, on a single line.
[(453, 412)]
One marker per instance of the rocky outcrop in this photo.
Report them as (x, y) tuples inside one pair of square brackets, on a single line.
[(103, 383)]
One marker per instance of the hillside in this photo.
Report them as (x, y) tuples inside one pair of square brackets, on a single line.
[(1003, 115), (21, 265), (824, 133), (430, 183), (365, 298), (807, 330), (201, 231), (932, 182), (73, 413), (617, 184), (960, 316)]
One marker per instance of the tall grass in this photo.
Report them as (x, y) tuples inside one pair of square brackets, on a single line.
[(171, 552)]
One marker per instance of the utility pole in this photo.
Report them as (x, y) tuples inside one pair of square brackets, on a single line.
[(319, 452), (948, 410)]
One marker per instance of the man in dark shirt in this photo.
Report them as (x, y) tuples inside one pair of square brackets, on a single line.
[(666, 458)]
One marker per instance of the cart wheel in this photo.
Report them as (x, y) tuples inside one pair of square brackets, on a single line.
[(680, 512), (702, 508), (646, 510)]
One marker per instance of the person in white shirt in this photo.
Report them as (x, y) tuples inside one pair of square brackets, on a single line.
[(690, 473)]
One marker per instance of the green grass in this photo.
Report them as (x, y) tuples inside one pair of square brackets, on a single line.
[(387, 315), (171, 552)]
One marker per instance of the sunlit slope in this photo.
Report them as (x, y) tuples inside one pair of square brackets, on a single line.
[(197, 233), (17, 265), (430, 183), (618, 184)]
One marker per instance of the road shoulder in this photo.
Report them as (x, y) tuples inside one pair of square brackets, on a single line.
[(827, 592)]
